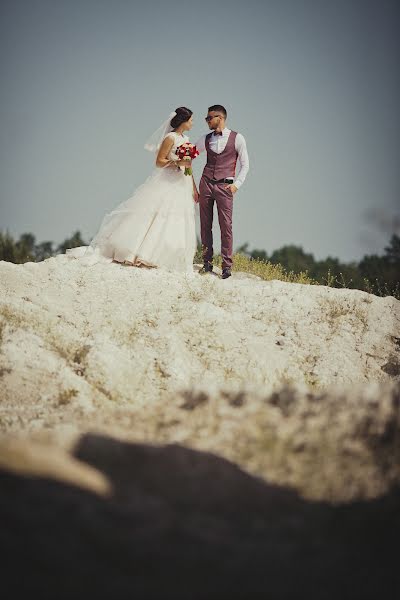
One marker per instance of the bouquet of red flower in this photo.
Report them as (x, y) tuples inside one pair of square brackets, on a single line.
[(187, 151)]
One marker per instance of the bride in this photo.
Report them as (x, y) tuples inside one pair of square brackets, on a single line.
[(155, 227)]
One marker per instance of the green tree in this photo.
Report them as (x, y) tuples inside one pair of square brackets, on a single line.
[(293, 258), (256, 253), (43, 250), (392, 252), (7, 247), (377, 274), (25, 248), (383, 272), (20, 251), (244, 249), (73, 242)]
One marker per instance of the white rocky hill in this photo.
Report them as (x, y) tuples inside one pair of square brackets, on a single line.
[(266, 373)]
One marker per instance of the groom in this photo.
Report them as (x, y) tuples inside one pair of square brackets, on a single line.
[(218, 183)]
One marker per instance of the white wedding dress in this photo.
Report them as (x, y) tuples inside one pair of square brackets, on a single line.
[(155, 227)]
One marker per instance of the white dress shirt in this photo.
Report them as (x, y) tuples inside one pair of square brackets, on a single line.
[(218, 143)]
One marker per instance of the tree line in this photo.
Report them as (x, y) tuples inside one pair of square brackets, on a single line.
[(377, 274)]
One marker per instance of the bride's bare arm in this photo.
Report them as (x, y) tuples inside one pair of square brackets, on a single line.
[(195, 191), (162, 156), (162, 159)]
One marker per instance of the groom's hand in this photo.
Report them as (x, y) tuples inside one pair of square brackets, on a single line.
[(232, 187)]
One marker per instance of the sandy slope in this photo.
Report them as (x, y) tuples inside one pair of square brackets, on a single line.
[(114, 348)]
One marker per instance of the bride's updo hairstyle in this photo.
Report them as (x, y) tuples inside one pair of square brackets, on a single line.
[(183, 114)]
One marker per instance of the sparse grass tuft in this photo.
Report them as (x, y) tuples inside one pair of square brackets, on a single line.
[(10, 316), (266, 270), (334, 309), (65, 396), (382, 290), (2, 327), (4, 371), (199, 293), (48, 328), (81, 353)]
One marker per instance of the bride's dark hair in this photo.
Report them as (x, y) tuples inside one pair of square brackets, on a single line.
[(183, 114)]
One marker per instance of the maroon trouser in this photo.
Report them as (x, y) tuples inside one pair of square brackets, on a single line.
[(210, 192)]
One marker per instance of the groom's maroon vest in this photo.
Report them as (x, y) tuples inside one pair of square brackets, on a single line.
[(220, 166)]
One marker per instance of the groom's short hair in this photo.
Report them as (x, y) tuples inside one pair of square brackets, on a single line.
[(218, 108)]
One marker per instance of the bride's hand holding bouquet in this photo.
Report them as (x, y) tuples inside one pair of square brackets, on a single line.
[(177, 164), (186, 153)]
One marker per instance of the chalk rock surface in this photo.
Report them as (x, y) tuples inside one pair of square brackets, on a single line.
[(298, 384)]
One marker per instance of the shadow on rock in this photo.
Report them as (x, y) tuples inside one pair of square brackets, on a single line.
[(184, 524)]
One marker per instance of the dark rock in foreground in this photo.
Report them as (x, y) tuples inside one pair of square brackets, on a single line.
[(187, 525)]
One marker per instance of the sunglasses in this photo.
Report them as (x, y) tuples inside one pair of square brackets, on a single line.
[(208, 118)]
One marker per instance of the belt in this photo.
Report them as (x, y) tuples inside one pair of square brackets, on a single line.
[(226, 180)]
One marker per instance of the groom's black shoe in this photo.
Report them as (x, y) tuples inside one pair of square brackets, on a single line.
[(207, 267), (226, 272)]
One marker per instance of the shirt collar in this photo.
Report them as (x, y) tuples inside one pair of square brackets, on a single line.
[(224, 131)]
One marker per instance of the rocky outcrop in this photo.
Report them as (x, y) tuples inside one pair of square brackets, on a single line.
[(295, 383), (73, 335), (261, 428)]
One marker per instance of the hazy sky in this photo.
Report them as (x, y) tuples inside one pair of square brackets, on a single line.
[(313, 85)]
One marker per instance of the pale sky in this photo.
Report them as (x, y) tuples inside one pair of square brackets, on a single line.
[(313, 86)]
